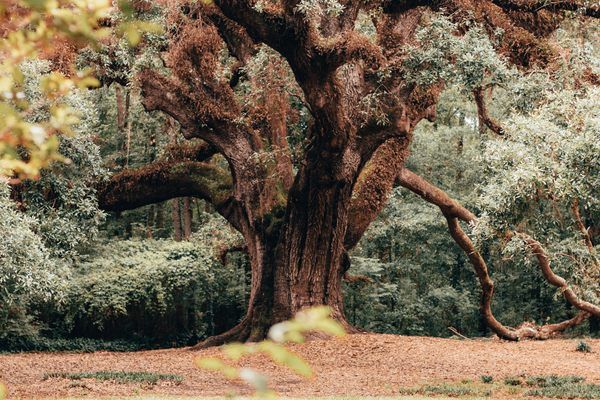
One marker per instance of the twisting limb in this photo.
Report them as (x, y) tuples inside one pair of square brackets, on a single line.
[(454, 212), (433, 194), (487, 285), (553, 279), (484, 116), (591, 10), (585, 235)]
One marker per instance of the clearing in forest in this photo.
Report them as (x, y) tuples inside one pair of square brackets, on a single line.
[(355, 365)]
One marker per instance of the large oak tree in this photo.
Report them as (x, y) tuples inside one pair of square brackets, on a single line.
[(299, 220)]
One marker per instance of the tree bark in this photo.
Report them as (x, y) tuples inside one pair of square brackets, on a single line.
[(176, 219), (187, 218)]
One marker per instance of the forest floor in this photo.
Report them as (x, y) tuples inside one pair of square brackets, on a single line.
[(355, 365)]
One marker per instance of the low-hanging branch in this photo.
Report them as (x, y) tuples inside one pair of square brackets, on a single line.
[(558, 281), (454, 212), (162, 181)]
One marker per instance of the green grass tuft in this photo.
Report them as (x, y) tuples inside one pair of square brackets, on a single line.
[(116, 376), (583, 347), (553, 380), (562, 387), (445, 390), (513, 381), (568, 391)]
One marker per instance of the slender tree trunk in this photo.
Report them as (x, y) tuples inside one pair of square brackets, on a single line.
[(123, 121), (176, 214), (127, 148), (159, 220), (150, 219), (187, 218)]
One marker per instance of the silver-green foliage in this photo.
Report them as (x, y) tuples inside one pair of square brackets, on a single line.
[(27, 273)]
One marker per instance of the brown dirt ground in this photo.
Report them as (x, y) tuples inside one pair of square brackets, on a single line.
[(365, 364)]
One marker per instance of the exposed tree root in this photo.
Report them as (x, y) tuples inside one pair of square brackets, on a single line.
[(532, 331), (454, 212), (243, 332), (239, 333)]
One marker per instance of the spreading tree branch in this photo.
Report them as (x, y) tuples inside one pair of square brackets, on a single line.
[(454, 212), (164, 180), (591, 10), (552, 278)]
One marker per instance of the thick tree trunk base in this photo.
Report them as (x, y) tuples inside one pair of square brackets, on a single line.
[(249, 330), (239, 333)]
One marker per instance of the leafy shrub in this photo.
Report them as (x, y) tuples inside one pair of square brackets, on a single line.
[(27, 274), (164, 290), (583, 347), (487, 378)]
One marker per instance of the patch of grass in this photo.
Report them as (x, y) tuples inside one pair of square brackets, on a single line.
[(583, 347), (513, 381), (553, 380), (568, 391), (547, 386), (562, 387), (445, 390), (116, 376)]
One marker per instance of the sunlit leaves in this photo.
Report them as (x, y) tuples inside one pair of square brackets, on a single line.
[(133, 30), (36, 27), (314, 9), (314, 319), (469, 60)]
